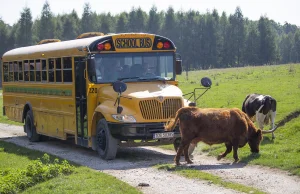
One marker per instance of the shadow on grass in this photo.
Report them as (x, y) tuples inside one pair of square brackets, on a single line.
[(127, 158), (250, 157), (267, 140), (202, 167)]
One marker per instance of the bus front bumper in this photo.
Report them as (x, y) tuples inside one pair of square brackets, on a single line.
[(141, 131)]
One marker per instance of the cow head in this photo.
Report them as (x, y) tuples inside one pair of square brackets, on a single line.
[(269, 104), (254, 141)]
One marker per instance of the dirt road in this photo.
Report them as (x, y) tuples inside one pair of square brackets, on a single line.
[(133, 165)]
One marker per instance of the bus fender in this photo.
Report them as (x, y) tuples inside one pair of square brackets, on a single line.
[(96, 117), (26, 108)]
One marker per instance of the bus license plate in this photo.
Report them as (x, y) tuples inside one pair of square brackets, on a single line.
[(163, 135)]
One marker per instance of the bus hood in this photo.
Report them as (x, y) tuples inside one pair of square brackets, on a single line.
[(143, 90)]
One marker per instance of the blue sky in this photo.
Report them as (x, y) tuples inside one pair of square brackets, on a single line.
[(278, 10)]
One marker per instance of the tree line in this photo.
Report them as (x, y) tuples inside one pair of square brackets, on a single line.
[(204, 40)]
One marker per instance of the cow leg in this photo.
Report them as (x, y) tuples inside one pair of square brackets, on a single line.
[(235, 145), (192, 148), (260, 120), (228, 150), (184, 143), (186, 154)]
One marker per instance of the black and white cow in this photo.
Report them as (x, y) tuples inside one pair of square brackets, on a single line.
[(262, 108)]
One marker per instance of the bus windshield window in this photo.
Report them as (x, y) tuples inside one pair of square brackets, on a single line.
[(131, 67)]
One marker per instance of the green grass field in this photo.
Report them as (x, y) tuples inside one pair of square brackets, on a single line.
[(229, 89), (82, 180)]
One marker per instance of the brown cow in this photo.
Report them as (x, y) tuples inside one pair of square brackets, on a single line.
[(215, 126)]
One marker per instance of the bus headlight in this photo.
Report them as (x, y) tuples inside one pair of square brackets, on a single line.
[(124, 118)]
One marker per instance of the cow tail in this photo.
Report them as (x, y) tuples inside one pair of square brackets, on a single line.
[(171, 125)]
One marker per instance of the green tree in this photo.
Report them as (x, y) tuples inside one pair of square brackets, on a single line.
[(154, 22), (107, 23), (267, 48), (251, 55), (137, 20), (169, 28), (3, 37), (70, 30), (46, 27), (122, 23), (24, 31), (297, 45), (286, 47), (238, 30), (87, 19), (223, 41)]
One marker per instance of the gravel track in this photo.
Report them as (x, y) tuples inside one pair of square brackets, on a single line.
[(133, 165)]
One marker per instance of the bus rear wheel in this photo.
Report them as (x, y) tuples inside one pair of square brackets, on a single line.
[(30, 128), (107, 146)]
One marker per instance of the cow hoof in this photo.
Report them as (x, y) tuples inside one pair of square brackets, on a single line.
[(178, 164), (189, 162), (219, 157), (236, 160)]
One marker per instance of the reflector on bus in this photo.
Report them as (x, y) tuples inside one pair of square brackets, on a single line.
[(45, 41), (89, 34)]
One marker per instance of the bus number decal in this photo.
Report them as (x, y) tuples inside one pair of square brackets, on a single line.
[(133, 43), (92, 90)]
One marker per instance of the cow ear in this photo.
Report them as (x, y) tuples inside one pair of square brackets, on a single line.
[(259, 133)]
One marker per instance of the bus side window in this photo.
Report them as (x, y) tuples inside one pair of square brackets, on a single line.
[(5, 72), (31, 69), (16, 71), (67, 70), (11, 72), (20, 71), (51, 70), (38, 68), (26, 70), (44, 71), (58, 69)]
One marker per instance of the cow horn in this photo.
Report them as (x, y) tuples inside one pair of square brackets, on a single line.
[(269, 131)]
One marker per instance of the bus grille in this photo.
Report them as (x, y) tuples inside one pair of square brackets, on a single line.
[(153, 109)]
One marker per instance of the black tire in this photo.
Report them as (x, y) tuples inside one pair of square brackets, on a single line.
[(107, 146), (30, 128)]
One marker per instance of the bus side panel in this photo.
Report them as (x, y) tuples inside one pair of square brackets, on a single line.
[(41, 122), (13, 109), (69, 125), (55, 126)]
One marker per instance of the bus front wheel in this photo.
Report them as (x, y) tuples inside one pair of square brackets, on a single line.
[(107, 146), (30, 128)]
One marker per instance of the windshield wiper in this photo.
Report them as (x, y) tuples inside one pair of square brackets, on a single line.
[(151, 78), (123, 78)]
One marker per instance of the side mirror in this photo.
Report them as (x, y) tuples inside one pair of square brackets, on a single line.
[(91, 69), (119, 87), (206, 82), (178, 67)]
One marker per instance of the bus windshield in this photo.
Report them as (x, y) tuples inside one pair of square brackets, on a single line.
[(103, 68)]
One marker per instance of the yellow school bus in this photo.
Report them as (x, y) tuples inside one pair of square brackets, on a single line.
[(103, 91)]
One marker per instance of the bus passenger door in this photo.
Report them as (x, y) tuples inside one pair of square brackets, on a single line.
[(81, 102)]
